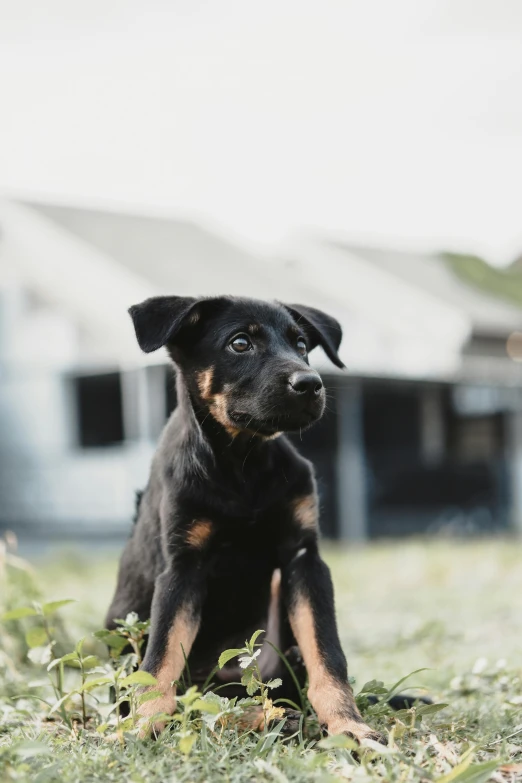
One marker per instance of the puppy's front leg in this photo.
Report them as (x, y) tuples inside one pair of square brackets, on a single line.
[(175, 618), (309, 598)]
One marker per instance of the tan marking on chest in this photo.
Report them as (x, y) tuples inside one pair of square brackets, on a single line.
[(199, 533), (305, 512)]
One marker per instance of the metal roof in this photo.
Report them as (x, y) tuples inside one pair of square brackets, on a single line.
[(404, 314), (389, 327), (176, 256)]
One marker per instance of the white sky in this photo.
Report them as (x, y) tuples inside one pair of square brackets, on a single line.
[(389, 120)]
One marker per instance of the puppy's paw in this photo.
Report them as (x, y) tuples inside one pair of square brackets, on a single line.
[(357, 730), (150, 728), (163, 705)]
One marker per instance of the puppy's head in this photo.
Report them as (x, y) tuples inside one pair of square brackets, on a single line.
[(244, 360)]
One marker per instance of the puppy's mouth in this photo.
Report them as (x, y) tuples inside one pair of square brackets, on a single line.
[(273, 424)]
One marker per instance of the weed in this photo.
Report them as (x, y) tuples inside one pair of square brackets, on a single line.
[(61, 716)]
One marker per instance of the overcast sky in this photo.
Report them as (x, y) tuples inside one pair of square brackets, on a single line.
[(396, 122)]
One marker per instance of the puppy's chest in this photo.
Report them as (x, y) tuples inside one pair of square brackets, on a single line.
[(236, 522), (248, 529), (243, 539), (250, 492)]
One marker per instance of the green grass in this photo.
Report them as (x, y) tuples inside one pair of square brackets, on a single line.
[(439, 605)]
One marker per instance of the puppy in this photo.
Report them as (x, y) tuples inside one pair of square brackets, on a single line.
[(226, 537)]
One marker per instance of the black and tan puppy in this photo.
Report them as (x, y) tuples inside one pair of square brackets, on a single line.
[(226, 538)]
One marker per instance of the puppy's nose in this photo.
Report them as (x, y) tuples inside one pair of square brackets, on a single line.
[(306, 383)]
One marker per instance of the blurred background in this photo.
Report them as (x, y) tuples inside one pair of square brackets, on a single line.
[(363, 158)]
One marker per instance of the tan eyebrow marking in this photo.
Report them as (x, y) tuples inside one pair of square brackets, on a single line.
[(254, 329)]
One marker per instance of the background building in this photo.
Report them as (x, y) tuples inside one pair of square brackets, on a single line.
[(423, 430)]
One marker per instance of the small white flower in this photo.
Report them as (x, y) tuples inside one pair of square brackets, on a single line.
[(456, 683), (480, 665), (246, 660)]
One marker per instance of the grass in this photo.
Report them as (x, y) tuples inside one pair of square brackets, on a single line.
[(451, 607)]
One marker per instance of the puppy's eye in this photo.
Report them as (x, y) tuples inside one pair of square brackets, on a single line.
[(301, 346), (241, 343)]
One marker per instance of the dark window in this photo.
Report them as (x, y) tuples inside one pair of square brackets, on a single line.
[(391, 421), (99, 409), (407, 494)]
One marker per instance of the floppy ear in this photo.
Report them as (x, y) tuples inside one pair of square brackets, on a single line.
[(320, 328), (158, 320)]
